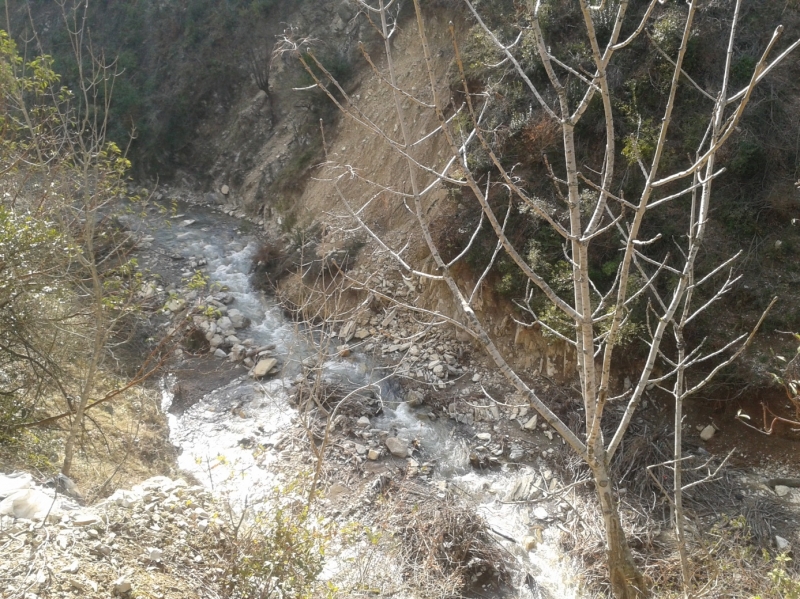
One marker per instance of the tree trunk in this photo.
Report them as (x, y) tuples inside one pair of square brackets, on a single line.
[(627, 582)]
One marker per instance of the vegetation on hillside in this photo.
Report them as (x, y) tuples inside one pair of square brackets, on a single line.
[(758, 204), (178, 63)]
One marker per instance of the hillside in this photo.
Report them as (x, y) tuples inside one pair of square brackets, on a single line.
[(436, 238)]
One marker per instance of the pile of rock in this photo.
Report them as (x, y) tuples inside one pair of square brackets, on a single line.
[(223, 326), (161, 538), (424, 354)]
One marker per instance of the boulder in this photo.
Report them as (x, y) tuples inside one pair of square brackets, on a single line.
[(225, 325), (238, 352), (781, 490), (531, 424), (154, 554), (122, 585), (540, 513), (85, 519), (415, 398), (347, 331), (708, 432), (31, 504), (238, 320), (263, 367), (397, 447), (176, 304), (14, 482)]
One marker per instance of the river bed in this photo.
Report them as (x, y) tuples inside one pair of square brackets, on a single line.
[(231, 440)]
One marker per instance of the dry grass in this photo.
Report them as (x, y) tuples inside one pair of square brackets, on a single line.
[(123, 442), (729, 529)]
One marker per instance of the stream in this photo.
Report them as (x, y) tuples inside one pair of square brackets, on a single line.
[(214, 435)]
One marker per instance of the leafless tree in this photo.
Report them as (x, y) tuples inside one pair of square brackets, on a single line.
[(586, 205)]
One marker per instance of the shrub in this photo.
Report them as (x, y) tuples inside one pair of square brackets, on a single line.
[(279, 553)]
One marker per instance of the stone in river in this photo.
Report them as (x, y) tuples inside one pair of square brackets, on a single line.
[(263, 367)]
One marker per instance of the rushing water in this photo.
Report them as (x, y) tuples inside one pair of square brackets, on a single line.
[(215, 440)]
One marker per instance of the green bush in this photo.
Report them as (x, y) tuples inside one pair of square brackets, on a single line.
[(279, 553)]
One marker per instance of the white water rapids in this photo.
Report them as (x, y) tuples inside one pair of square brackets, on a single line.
[(210, 433)]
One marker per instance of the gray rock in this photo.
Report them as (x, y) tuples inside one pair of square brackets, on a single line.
[(263, 367), (14, 482), (397, 447), (516, 454), (225, 325), (363, 421), (782, 544), (347, 330), (238, 320), (72, 568), (523, 488), (122, 585), (154, 554), (215, 198), (540, 513), (708, 432), (414, 398), (176, 304), (238, 352), (85, 519), (531, 424), (220, 353), (781, 490), (389, 318)]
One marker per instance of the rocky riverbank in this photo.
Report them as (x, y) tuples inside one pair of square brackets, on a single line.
[(401, 431)]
